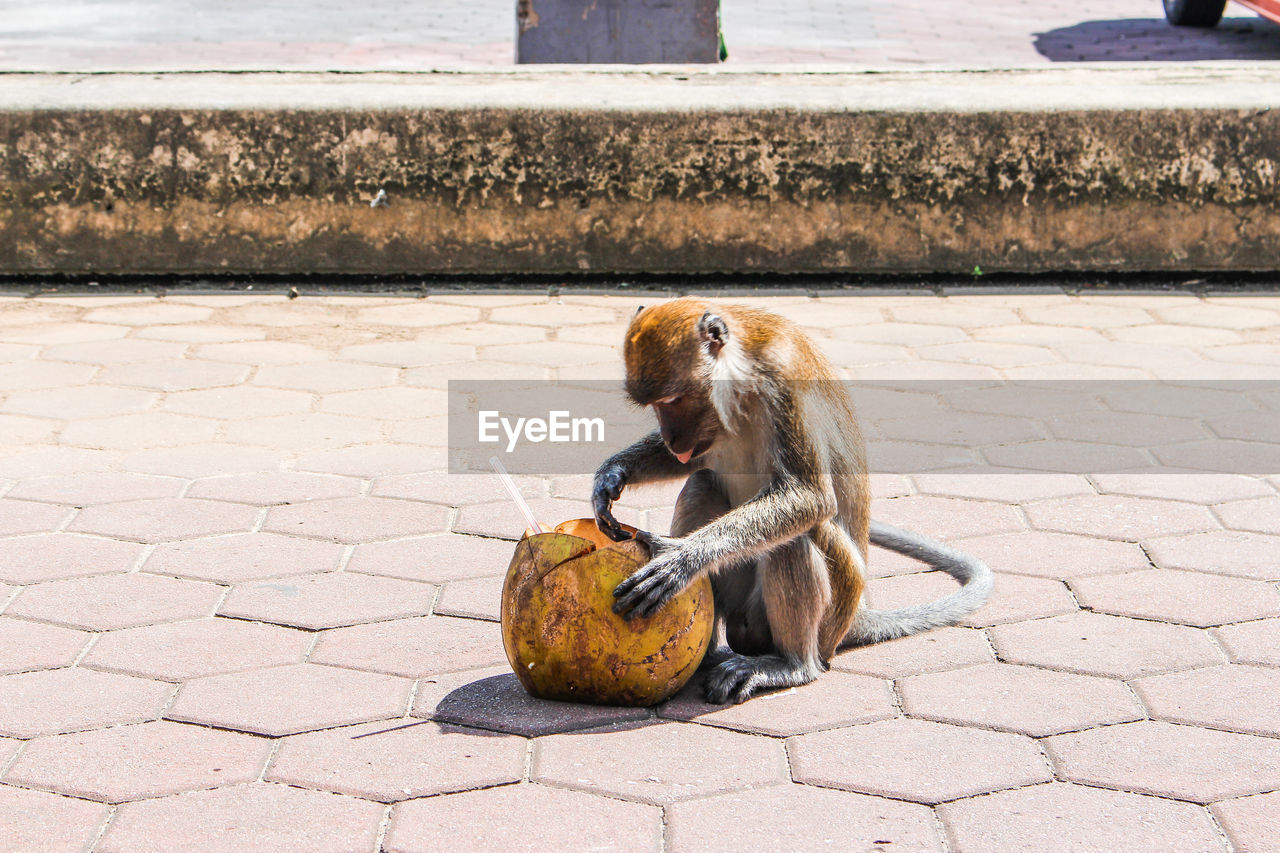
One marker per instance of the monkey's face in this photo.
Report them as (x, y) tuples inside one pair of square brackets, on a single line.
[(688, 423)]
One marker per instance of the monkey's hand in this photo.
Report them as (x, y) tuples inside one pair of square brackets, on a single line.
[(670, 571), (608, 488)]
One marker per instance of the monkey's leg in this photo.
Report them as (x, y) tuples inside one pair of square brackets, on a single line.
[(795, 592)]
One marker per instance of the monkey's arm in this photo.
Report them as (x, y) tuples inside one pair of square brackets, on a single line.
[(646, 461)]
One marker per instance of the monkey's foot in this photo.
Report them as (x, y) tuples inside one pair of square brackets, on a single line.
[(740, 677)]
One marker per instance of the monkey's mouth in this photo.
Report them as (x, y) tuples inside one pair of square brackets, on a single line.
[(692, 453)]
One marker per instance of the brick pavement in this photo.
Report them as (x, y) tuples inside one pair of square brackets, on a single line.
[(159, 35), (242, 606)]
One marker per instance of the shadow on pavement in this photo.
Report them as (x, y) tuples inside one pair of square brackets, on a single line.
[(1155, 40)]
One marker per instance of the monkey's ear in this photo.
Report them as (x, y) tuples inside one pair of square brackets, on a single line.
[(713, 332), (639, 308)]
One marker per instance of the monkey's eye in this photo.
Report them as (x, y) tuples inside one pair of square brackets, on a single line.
[(668, 401)]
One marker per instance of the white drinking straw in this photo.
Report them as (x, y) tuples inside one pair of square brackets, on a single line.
[(515, 494)]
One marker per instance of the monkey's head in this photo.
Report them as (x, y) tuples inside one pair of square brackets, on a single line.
[(671, 351)]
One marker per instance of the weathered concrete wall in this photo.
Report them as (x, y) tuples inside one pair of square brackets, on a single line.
[(495, 187)]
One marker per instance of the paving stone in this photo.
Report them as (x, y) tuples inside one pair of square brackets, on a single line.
[(135, 762), (261, 352), (1059, 556), (242, 401), (947, 518), (1125, 428), (1066, 456), (240, 557), (1218, 316), (423, 313), (158, 313), (1245, 458), (368, 461), (1023, 699), (264, 818), (412, 647), (76, 402), (1063, 818), (328, 600), (286, 700), (798, 817), (394, 760), (1261, 515), (659, 763), (28, 375), (1189, 598), (108, 602), (204, 333), (1181, 762), (281, 487), (1225, 552), (1222, 697), (835, 699), (1257, 426), (29, 646), (1028, 399), (1006, 488), (408, 353), (972, 430), (522, 819), (336, 376), (20, 430), (174, 374), (118, 351), (67, 700), (88, 488), (53, 556), (1115, 517), (164, 519), (556, 354), (303, 432), (184, 650), (944, 313), (994, 353), (34, 820), (1097, 644), (434, 559), (1252, 823), (201, 460), (900, 759), (1014, 598), (492, 698), (474, 598), (503, 521), (1088, 316), (1251, 642), (932, 651), (26, 517), (46, 461), (143, 430), (1168, 334), (356, 520), (452, 489), (386, 403), (51, 334)]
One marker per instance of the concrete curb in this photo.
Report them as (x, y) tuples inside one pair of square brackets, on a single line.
[(677, 170)]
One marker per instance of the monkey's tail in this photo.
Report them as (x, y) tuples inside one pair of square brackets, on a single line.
[(976, 581)]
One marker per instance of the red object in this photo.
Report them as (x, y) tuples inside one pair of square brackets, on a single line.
[(1265, 8)]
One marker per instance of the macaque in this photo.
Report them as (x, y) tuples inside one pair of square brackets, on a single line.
[(776, 501)]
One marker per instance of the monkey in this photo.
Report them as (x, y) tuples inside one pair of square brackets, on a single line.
[(776, 500)]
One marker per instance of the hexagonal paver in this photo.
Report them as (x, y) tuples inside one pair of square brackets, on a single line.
[(300, 432), (932, 651), (174, 374), (153, 314), (557, 354), (164, 519), (1192, 488), (1252, 823), (373, 460), (241, 401), (118, 351), (264, 818), (386, 403), (286, 700), (474, 598), (1251, 642), (1189, 598), (452, 489), (68, 700), (260, 352), (492, 698), (412, 647), (28, 646), (1225, 552), (1063, 818), (1230, 697), (426, 312), (522, 819), (1021, 699), (1097, 644), (330, 600), (947, 518), (660, 763), (1182, 762), (900, 759), (141, 430), (798, 817), (1054, 555), (34, 820), (1218, 316), (503, 521), (1259, 515), (1014, 598), (240, 557), (408, 353), (356, 520), (54, 556), (835, 699), (183, 650), (336, 376), (135, 762), (1006, 488), (17, 517), (87, 488), (1116, 517), (116, 601), (281, 487), (78, 402), (394, 760), (201, 460), (434, 559)]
